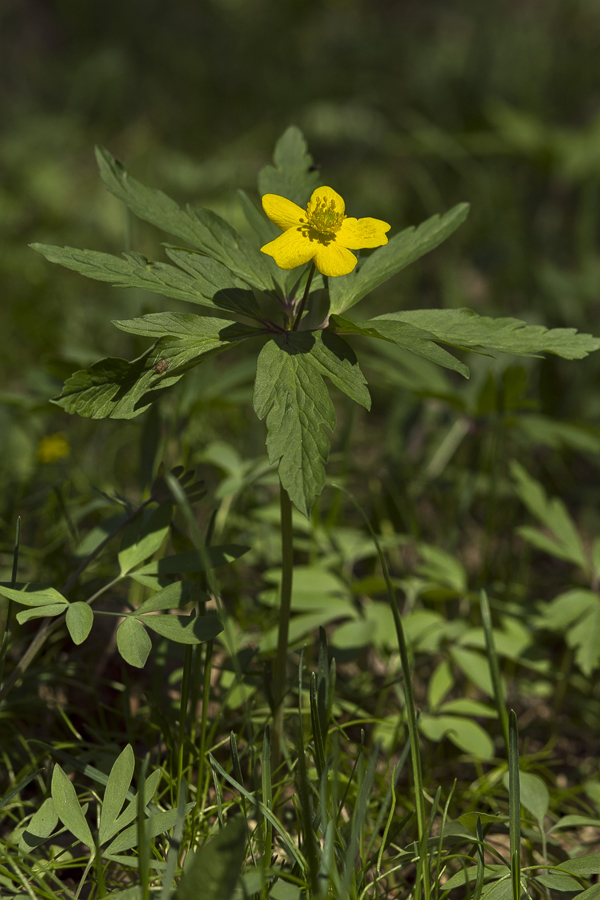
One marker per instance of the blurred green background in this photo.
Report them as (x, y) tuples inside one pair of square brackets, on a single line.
[(408, 107)]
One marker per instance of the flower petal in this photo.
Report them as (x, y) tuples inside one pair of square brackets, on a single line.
[(326, 195), (333, 260), (282, 211), (292, 248), (358, 233)]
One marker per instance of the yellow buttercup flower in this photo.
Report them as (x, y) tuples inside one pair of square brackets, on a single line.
[(322, 233), (52, 448)]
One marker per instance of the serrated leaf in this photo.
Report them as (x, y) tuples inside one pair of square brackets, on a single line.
[(401, 250), (565, 609), (33, 595), (262, 225), (40, 826), (115, 794), (133, 642), (466, 329), (192, 560), (144, 536), (292, 175), (68, 809), (216, 865), (153, 826), (206, 282), (201, 228), (174, 596), (79, 621), (405, 336), (122, 389), (290, 392), (184, 629)]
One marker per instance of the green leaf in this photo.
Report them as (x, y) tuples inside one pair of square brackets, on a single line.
[(40, 612), (407, 337), (130, 811), (153, 826), (441, 681), (174, 596), (469, 820), (33, 595), (68, 809), (204, 281), (115, 794), (465, 734), (574, 822), (192, 560), (290, 392), (40, 826), (465, 329), (475, 667), (79, 619), (133, 642), (492, 870), (401, 250), (565, 609), (122, 389), (565, 542), (592, 893), (201, 228), (534, 794), (465, 706), (292, 176), (216, 865), (184, 629), (584, 637), (262, 225), (144, 536), (557, 882), (583, 865)]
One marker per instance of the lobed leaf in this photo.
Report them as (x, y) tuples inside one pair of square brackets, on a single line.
[(293, 175), (153, 826), (122, 389), (201, 228), (204, 282), (466, 329), (290, 392), (400, 251)]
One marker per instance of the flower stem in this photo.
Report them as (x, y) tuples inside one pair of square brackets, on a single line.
[(304, 298), (287, 570)]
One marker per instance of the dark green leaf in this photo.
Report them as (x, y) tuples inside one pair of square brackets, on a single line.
[(174, 596), (133, 642), (408, 337), (557, 882), (201, 228), (289, 390), (401, 250), (40, 826), (79, 620), (583, 865), (144, 536), (185, 629), (206, 282), (464, 328), (216, 866), (192, 560), (122, 389), (292, 175)]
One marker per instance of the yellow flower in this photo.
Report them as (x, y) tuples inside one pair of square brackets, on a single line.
[(322, 232), (52, 448)]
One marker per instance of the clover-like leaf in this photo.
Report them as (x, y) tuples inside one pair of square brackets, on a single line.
[(184, 629), (79, 620), (133, 642)]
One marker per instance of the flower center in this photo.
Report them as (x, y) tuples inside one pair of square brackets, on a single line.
[(323, 216)]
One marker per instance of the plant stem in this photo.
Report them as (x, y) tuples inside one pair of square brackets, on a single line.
[(304, 298), (287, 571)]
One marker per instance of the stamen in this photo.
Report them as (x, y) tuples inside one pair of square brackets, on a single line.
[(324, 217)]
